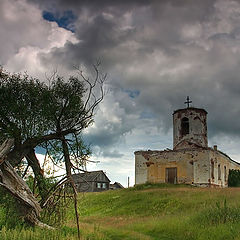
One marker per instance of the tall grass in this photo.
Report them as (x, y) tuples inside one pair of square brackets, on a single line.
[(10, 216), (221, 213), (146, 212), (35, 234)]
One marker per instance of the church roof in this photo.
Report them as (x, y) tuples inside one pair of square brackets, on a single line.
[(228, 157)]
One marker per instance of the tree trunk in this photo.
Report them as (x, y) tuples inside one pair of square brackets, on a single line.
[(14, 184), (38, 172), (20, 150)]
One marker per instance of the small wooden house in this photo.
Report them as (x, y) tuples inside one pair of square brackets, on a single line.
[(95, 181), (116, 185)]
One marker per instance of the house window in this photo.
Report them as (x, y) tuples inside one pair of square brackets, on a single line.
[(219, 172), (104, 185), (185, 126), (212, 169), (98, 185), (225, 173)]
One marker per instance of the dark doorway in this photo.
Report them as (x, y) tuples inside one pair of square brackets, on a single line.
[(171, 175)]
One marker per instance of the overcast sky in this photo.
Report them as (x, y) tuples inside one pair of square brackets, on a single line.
[(155, 53)]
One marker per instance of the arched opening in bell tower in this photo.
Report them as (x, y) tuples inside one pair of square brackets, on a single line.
[(185, 126)]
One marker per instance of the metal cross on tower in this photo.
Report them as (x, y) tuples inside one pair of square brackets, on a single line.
[(188, 102)]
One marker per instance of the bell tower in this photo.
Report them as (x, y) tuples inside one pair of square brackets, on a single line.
[(189, 127)]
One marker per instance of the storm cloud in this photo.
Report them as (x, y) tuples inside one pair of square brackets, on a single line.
[(166, 50), (155, 52)]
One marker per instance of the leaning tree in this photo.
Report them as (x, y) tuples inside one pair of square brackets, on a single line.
[(50, 114)]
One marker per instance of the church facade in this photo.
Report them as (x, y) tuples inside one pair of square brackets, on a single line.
[(190, 161)]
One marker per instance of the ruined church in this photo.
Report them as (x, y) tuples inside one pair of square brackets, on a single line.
[(190, 161)]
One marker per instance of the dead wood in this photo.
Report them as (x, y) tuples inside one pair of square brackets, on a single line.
[(70, 178), (15, 185)]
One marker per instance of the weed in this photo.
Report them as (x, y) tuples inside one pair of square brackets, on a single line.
[(221, 213)]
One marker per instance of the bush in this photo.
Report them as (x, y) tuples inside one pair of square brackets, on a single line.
[(234, 178)]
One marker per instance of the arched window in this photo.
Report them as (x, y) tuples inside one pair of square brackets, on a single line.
[(185, 126)]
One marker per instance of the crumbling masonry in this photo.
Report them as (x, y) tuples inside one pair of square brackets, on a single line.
[(191, 161)]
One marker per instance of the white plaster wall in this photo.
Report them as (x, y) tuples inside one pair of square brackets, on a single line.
[(140, 169), (201, 168)]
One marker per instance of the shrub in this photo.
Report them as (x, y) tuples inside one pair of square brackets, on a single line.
[(234, 178)]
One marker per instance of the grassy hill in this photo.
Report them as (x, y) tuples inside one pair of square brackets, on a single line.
[(147, 212)]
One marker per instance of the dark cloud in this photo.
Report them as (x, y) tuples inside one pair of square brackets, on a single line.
[(105, 26), (91, 5), (156, 54), (95, 40)]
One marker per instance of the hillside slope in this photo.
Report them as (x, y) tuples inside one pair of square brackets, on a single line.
[(148, 212), (163, 212)]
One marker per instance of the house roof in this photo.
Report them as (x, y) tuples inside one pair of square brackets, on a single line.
[(88, 176), (118, 184)]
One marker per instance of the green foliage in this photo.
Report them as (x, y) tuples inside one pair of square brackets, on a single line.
[(78, 150), (48, 181), (234, 178), (23, 103), (35, 113), (67, 102), (31, 108)]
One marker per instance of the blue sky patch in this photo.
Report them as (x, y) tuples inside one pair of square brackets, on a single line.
[(65, 20), (40, 150)]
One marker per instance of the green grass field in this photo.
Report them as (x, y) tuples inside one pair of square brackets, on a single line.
[(146, 212)]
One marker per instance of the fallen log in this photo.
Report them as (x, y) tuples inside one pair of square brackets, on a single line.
[(15, 185)]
